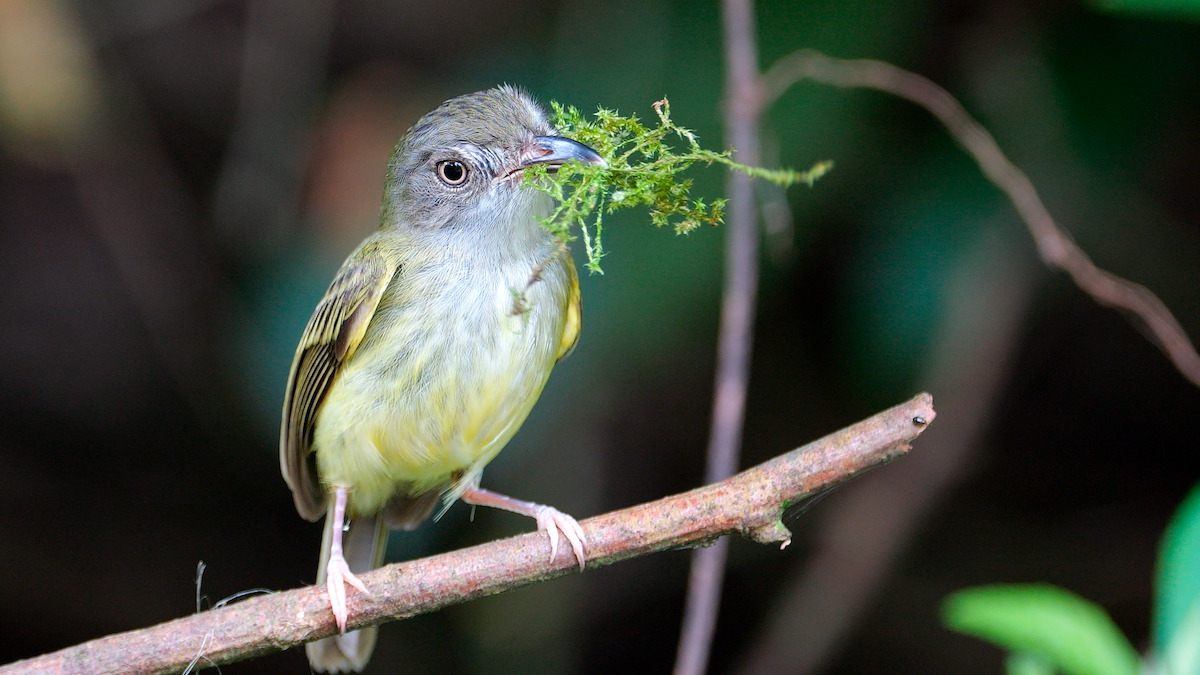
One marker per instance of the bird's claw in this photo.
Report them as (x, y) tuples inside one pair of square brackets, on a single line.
[(337, 575), (552, 521)]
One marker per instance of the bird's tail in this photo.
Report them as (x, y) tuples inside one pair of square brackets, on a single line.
[(363, 545)]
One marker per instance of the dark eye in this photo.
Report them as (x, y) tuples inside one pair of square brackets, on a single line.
[(452, 172)]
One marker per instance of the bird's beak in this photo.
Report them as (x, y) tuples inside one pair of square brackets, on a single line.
[(557, 150)]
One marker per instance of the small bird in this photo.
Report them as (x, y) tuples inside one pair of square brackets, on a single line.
[(431, 345)]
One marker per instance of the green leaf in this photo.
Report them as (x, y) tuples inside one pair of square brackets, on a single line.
[(1182, 656), (1175, 633), (1020, 663), (1073, 634)]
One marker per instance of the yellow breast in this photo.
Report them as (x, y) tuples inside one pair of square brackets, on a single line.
[(443, 378)]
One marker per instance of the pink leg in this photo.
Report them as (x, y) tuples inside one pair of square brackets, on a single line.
[(550, 520), (337, 572)]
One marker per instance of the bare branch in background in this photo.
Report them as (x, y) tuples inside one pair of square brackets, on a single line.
[(258, 193), (872, 521), (742, 109), (1055, 246), (750, 503)]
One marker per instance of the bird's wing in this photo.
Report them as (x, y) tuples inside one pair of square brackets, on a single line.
[(574, 320), (333, 333)]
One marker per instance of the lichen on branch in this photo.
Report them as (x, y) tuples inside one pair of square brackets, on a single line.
[(642, 170)]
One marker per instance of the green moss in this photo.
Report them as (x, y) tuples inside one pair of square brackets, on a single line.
[(642, 170)]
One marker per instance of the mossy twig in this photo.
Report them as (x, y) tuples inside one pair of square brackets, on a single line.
[(642, 170)]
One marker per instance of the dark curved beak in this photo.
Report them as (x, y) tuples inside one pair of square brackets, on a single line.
[(558, 150)]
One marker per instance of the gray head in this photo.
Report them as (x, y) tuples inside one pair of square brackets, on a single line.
[(463, 162)]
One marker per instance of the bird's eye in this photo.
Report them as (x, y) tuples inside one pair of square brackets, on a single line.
[(452, 172)]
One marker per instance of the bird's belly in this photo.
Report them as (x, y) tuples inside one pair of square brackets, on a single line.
[(432, 403)]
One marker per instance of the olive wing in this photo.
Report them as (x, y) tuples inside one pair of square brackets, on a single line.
[(333, 333)]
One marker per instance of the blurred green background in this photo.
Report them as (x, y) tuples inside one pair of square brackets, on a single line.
[(180, 178)]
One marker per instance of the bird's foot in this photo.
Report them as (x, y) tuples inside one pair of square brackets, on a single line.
[(552, 521), (337, 575), (549, 519)]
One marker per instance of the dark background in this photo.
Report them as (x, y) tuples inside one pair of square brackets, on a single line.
[(180, 178)]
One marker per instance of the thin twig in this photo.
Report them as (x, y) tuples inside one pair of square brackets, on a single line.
[(1054, 245), (750, 503), (520, 304), (736, 335)]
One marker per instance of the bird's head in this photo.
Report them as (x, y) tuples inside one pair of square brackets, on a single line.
[(464, 162)]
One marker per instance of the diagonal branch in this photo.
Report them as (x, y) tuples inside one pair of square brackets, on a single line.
[(750, 503), (1055, 246)]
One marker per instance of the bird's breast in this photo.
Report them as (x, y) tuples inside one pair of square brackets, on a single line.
[(451, 363)]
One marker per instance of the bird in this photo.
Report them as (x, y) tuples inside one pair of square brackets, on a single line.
[(431, 345)]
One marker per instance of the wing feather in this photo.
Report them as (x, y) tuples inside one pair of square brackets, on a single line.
[(574, 322), (333, 333)]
